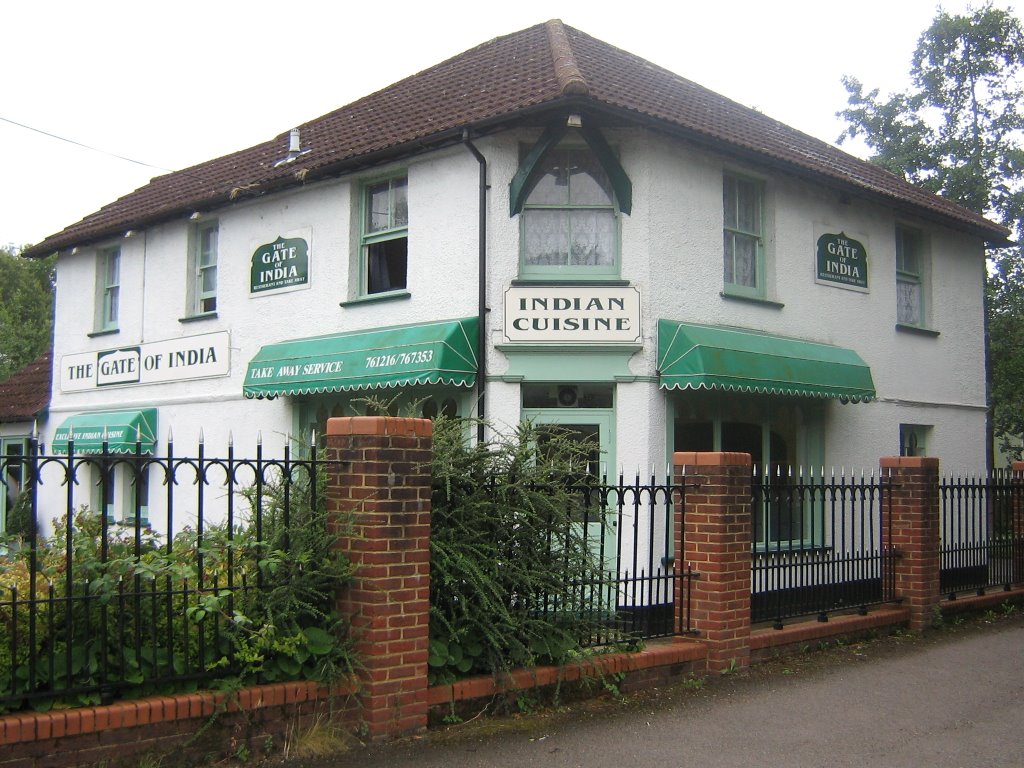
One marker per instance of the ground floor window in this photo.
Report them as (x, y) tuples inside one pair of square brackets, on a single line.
[(780, 434), (121, 488), (914, 439), (417, 402), (13, 451)]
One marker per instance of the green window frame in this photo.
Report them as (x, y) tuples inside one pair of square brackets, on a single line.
[(203, 268), (743, 270), (569, 227), (108, 288), (781, 435), (13, 457), (914, 439), (910, 277), (384, 237)]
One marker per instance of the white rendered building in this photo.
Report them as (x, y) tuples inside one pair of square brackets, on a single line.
[(542, 227)]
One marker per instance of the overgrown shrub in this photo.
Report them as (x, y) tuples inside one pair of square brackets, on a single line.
[(233, 606), (513, 573)]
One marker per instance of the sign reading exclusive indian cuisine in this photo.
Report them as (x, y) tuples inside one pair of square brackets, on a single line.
[(572, 315)]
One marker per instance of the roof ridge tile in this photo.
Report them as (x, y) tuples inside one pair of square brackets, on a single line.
[(570, 79)]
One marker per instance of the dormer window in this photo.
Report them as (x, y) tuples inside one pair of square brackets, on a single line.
[(569, 223)]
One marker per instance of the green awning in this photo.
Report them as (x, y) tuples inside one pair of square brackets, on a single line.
[(442, 352), (713, 357), (120, 429)]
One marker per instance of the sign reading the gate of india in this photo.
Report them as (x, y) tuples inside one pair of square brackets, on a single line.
[(572, 315), (282, 265), (156, 362), (841, 262)]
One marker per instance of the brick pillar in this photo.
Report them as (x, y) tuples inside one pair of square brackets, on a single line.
[(1017, 520), (911, 528), (714, 537), (382, 481)]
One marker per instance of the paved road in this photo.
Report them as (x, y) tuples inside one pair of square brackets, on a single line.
[(953, 700)]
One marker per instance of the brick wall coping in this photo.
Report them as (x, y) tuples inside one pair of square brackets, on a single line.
[(36, 726), (711, 459), (657, 654), (380, 425), (908, 462), (978, 602), (806, 631)]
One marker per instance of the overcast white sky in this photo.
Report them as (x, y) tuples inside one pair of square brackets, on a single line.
[(174, 83)]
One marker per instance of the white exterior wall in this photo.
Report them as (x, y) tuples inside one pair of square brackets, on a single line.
[(671, 249)]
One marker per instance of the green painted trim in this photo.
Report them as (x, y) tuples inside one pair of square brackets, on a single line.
[(547, 281), (526, 176), (637, 379), (107, 332), (621, 184), (563, 365)]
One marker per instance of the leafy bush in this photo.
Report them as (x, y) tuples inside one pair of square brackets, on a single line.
[(512, 570), (245, 605)]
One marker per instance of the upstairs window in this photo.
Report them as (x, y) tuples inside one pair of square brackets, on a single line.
[(743, 215), (909, 277), (385, 236), (108, 288), (569, 218), (203, 262)]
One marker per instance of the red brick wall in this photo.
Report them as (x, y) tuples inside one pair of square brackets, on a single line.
[(191, 727)]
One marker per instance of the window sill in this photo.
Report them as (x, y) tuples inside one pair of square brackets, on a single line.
[(568, 280), (375, 297), (107, 332), (916, 330), (196, 318), (752, 300)]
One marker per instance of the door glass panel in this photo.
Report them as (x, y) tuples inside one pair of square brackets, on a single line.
[(586, 438)]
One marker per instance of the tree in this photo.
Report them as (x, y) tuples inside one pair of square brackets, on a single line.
[(959, 132), (26, 309)]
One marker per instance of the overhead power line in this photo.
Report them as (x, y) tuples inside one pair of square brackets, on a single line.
[(85, 146)]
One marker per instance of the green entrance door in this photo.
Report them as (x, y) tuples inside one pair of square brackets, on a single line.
[(594, 425)]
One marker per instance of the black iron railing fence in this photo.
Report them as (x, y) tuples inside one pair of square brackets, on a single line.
[(104, 605), (981, 533), (819, 543), (643, 591)]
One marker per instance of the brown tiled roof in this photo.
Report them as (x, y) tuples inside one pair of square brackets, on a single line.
[(27, 393), (544, 67)]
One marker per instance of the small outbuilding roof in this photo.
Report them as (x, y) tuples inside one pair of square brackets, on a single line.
[(526, 77), (26, 394)]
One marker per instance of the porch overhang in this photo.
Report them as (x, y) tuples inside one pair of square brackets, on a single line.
[(694, 356), (442, 352), (121, 432)]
